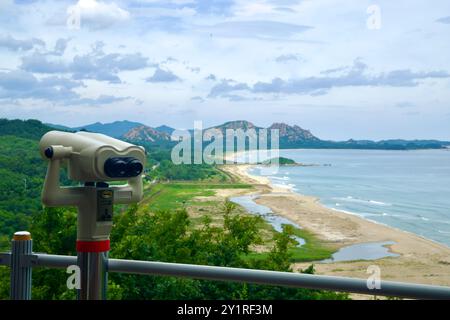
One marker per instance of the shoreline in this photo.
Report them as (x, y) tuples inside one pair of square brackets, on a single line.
[(420, 260)]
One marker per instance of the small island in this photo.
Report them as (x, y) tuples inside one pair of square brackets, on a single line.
[(282, 161)]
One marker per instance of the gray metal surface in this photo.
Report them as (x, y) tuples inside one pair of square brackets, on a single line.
[(20, 283), (52, 260), (94, 276), (388, 288)]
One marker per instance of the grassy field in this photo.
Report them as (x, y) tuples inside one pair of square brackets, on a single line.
[(168, 196), (200, 200)]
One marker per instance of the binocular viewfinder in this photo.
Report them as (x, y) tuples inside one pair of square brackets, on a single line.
[(123, 167)]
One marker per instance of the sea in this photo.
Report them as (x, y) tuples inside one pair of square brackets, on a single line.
[(408, 190)]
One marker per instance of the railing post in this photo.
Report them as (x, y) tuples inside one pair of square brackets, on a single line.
[(21, 250), (94, 275)]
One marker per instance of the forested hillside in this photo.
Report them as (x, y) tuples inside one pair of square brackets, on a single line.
[(22, 171)]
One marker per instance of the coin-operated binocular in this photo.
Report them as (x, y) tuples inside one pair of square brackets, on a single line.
[(93, 160)]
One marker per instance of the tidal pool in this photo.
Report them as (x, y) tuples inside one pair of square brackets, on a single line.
[(362, 251), (266, 213)]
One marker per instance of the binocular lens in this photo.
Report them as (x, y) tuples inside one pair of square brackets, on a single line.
[(120, 167), (135, 167), (123, 167)]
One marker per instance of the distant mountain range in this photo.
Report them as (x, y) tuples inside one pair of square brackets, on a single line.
[(291, 137), (115, 129)]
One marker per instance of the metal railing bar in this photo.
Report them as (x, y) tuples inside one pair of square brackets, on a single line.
[(298, 280), (289, 279), (53, 261)]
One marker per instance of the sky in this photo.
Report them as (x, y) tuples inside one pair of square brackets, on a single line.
[(357, 69)]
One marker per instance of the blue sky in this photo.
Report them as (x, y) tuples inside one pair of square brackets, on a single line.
[(354, 69)]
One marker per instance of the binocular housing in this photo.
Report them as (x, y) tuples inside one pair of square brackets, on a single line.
[(93, 157)]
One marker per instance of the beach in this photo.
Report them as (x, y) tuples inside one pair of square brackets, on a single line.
[(419, 260)]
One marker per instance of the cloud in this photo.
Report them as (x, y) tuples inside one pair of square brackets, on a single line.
[(235, 97), (218, 7), (335, 70), (445, 20), (356, 76), (60, 46), (261, 29), (121, 62), (161, 75), (94, 65), (178, 7), (10, 43), (19, 84), (97, 14), (197, 98), (287, 57), (284, 9), (193, 69), (100, 100), (211, 77), (225, 87), (42, 63)]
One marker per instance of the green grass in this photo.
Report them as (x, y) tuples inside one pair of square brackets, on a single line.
[(169, 196), (313, 250)]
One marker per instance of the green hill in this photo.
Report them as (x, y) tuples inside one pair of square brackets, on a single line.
[(30, 129), (22, 171)]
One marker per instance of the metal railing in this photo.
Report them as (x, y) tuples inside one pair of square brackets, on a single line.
[(21, 260)]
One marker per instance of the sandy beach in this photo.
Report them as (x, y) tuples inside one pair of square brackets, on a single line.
[(420, 260)]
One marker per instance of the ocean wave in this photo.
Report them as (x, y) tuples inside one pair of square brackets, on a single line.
[(383, 214), (279, 178), (290, 186), (358, 200)]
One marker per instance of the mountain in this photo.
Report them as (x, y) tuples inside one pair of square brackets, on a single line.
[(292, 133), (145, 134), (115, 129), (289, 135), (165, 129), (238, 124)]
